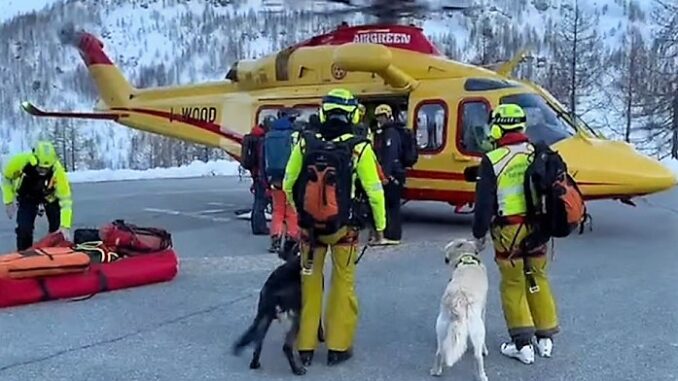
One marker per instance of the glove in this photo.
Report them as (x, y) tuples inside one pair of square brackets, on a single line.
[(480, 243), (66, 233), (10, 209)]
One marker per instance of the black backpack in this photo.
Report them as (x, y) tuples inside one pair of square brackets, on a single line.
[(408, 146), (249, 157), (322, 192), (559, 207)]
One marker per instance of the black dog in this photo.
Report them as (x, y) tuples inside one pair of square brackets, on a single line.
[(280, 294)]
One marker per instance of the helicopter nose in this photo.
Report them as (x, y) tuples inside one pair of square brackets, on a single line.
[(606, 169)]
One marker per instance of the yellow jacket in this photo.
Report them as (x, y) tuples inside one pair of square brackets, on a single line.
[(366, 169), (60, 188)]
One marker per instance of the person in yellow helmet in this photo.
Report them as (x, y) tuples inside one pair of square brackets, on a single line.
[(389, 150), (361, 128), (325, 173), (32, 179), (501, 207)]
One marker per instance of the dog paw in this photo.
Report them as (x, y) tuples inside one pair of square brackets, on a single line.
[(436, 372), (255, 365), (300, 371), (482, 377)]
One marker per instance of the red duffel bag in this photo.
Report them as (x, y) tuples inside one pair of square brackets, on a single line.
[(99, 277), (129, 239)]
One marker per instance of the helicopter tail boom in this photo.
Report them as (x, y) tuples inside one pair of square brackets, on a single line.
[(112, 85)]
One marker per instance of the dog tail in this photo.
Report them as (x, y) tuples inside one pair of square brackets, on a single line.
[(457, 338), (254, 333)]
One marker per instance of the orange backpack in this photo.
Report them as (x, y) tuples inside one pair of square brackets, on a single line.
[(559, 208), (323, 191)]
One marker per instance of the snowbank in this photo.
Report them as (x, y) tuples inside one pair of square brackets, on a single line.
[(195, 169), (672, 164)]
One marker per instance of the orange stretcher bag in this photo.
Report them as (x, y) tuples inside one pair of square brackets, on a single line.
[(40, 262)]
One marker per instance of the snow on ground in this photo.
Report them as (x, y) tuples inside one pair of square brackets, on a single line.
[(195, 169)]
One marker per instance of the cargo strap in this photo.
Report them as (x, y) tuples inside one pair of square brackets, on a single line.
[(361, 254), (47, 296), (307, 265), (533, 286), (103, 287)]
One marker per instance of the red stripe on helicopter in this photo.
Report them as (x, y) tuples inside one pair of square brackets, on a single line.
[(440, 175), (456, 197), (434, 175), (212, 127)]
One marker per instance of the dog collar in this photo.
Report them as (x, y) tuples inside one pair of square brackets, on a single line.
[(468, 259)]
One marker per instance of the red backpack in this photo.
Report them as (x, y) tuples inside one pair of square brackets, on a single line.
[(129, 239)]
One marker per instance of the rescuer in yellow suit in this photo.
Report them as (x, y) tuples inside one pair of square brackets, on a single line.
[(500, 206), (35, 178), (338, 116)]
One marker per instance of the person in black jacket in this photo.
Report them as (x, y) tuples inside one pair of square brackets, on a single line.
[(261, 198), (387, 146)]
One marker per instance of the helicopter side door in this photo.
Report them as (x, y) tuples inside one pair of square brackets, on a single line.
[(472, 132), (430, 179)]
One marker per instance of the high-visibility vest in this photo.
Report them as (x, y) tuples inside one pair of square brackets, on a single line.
[(510, 164)]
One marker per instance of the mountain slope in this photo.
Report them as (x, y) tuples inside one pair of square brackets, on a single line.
[(163, 42)]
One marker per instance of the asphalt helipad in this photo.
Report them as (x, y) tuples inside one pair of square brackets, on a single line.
[(616, 290)]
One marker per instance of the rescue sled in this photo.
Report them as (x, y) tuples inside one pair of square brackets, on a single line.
[(58, 269)]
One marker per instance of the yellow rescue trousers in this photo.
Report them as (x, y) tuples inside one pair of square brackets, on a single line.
[(528, 311), (341, 317)]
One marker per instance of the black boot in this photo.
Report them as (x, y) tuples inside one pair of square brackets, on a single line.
[(337, 357), (306, 357), (275, 245)]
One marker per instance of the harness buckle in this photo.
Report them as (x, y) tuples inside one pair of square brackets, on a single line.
[(534, 289)]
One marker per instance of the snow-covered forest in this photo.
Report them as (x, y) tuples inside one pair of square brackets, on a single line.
[(611, 62)]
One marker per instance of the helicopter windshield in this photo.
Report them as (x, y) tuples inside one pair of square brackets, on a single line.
[(543, 122)]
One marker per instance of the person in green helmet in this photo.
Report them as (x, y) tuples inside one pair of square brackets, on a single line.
[(34, 179), (501, 208), (326, 172)]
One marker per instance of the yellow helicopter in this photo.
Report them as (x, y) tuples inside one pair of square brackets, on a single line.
[(445, 102)]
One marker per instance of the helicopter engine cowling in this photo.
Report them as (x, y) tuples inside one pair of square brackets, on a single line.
[(372, 58)]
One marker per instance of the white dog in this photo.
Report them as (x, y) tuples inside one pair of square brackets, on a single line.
[(462, 308)]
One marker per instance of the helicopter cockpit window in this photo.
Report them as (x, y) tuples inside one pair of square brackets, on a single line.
[(543, 123), (430, 126), (305, 113), (268, 112), (474, 127)]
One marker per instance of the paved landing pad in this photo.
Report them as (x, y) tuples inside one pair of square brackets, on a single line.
[(616, 291)]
